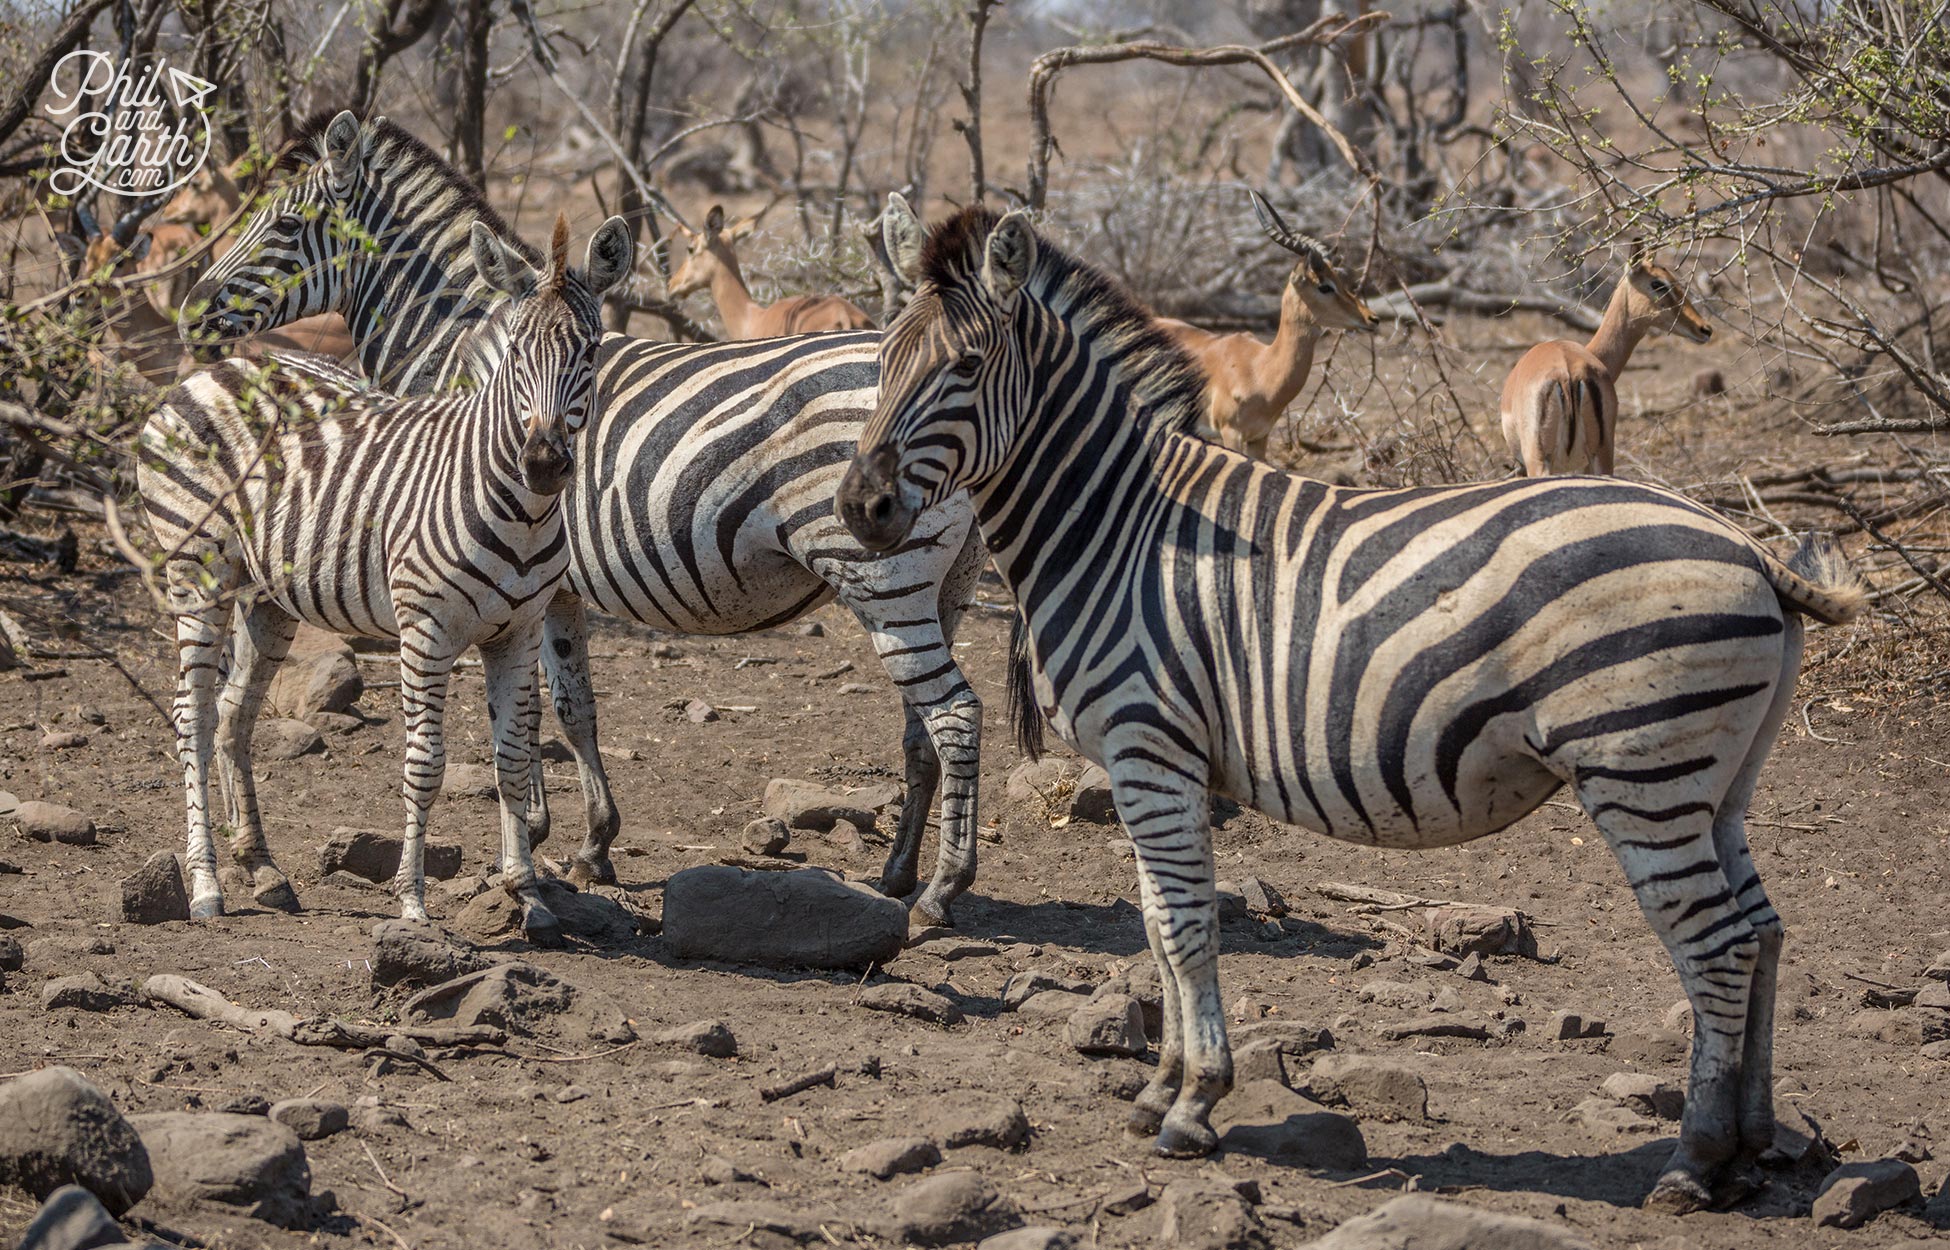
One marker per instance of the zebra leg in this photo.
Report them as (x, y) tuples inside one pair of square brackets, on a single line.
[(1167, 816), (1148, 1109), (199, 647), (955, 742), (508, 664), (424, 669), (923, 777), (1662, 830), (259, 642), (538, 818), (565, 653)]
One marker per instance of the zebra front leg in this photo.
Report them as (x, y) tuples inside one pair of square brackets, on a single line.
[(955, 729), (425, 665), (259, 642), (199, 647), (1149, 1108), (508, 664), (922, 773), (1166, 813), (565, 653)]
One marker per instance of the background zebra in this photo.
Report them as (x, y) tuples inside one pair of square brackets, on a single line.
[(296, 494), (1410, 668), (703, 502)]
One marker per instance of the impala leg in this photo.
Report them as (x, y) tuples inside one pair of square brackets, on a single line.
[(259, 643), (509, 667), (565, 652)]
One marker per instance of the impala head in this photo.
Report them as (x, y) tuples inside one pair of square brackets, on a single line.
[(208, 197), (1660, 302), (711, 251), (555, 325), (1315, 279), (116, 249)]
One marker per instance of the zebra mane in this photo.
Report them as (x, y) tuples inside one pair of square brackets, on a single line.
[(1166, 381), (391, 145)]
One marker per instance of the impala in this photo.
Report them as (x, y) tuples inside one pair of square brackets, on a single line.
[(713, 263)]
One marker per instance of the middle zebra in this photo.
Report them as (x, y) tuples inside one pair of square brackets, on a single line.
[(702, 501)]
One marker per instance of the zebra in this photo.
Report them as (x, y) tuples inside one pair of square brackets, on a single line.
[(1407, 668), (703, 504), (296, 491)]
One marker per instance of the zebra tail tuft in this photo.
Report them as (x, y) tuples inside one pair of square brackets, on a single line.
[(1822, 583), (1023, 711)]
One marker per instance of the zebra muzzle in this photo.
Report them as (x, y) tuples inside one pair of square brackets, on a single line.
[(546, 461), (869, 503)]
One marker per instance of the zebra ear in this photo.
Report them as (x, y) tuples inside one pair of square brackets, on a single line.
[(1011, 250), (611, 252), (501, 266), (902, 234), (342, 148)]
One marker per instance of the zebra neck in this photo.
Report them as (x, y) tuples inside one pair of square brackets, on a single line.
[(499, 435), (411, 296)]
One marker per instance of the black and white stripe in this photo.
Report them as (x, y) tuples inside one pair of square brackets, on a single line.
[(1407, 668), (292, 490), (703, 499)]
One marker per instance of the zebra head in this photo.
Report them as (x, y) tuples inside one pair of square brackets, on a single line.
[(553, 323), (290, 261), (953, 376)]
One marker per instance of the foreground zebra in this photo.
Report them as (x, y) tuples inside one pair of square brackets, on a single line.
[(703, 499), (298, 493), (1408, 668)]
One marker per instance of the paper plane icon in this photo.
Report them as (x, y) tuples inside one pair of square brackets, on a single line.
[(187, 89)]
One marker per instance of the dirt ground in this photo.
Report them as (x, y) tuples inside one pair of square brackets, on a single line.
[(1848, 828)]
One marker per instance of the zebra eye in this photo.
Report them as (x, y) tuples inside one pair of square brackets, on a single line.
[(968, 366)]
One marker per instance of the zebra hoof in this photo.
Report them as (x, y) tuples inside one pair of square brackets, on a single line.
[(278, 896), (206, 908), (583, 872), (541, 929), (1678, 1193), (1180, 1141), (925, 915)]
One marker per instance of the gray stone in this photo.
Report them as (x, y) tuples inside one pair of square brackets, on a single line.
[(311, 1118), (320, 675), (1420, 1222), (1648, 1048), (414, 952), (1111, 1025), (718, 1170), (1041, 1237), (804, 918), (277, 738), (1604, 1115), (85, 991), (1938, 970), (375, 856), (245, 1104), (1796, 1136), (951, 1207), (892, 1156), (1201, 1215), (1140, 980), (1678, 1018), (1232, 904), (1485, 930), (63, 740), (1394, 994), (1646, 1094), (1855, 1193), (1270, 1120), (1471, 968), (745, 1217), (589, 914), (1091, 799), (153, 893), (768, 835), (371, 1117), (1128, 1198), (1443, 1024), (11, 954), (707, 1037), (242, 1161), (525, 1000), (1370, 1086), (1261, 898), (51, 822), (471, 781), (1051, 1003), (1566, 1026), (72, 1219), (56, 1129), (902, 999), (700, 712), (805, 805), (977, 1120)]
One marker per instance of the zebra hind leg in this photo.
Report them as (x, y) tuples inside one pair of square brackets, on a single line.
[(1149, 1108), (259, 642), (1659, 819), (199, 648), (565, 653), (922, 769)]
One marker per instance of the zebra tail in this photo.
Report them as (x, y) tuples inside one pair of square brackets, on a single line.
[(1023, 711), (1819, 581)]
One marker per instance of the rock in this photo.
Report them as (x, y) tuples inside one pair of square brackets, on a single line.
[(320, 675), (1199, 1215), (311, 1118), (951, 1207), (804, 918), (276, 738), (245, 1104), (56, 1129), (1566, 1026), (1855, 1193), (1052, 1003), (977, 1120), (1041, 781), (1271, 1050), (370, 1116), (335, 722), (414, 952), (892, 1156), (51, 822), (11, 954), (1261, 898), (809, 629), (1415, 1221), (1678, 1018), (1604, 1115), (1041, 1237), (768, 835), (1370, 1086), (1484, 930), (1091, 799), (1651, 1048), (804, 805), (243, 1161), (699, 712), (586, 914), (718, 1170), (1232, 904), (1938, 969), (1140, 981), (1447, 1024), (903, 999), (72, 1219), (1128, 1198), (745, 1218), (1471, 968), (153, 893), (706, 1037), (375, 856), (525, 1000), (1394, 994), (63, 740), (1934, 995), (470, 781), (1646, 1094), (85, 991), (1111, 1025), (1709, 382), (1796, 1137), (1270, 1120)]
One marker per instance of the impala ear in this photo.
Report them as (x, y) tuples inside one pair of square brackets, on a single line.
[(500, 265), (1638, 254), (902, 234), (743, 228), (611, 253), (1011, 251), (342, 149), (714, 220)]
